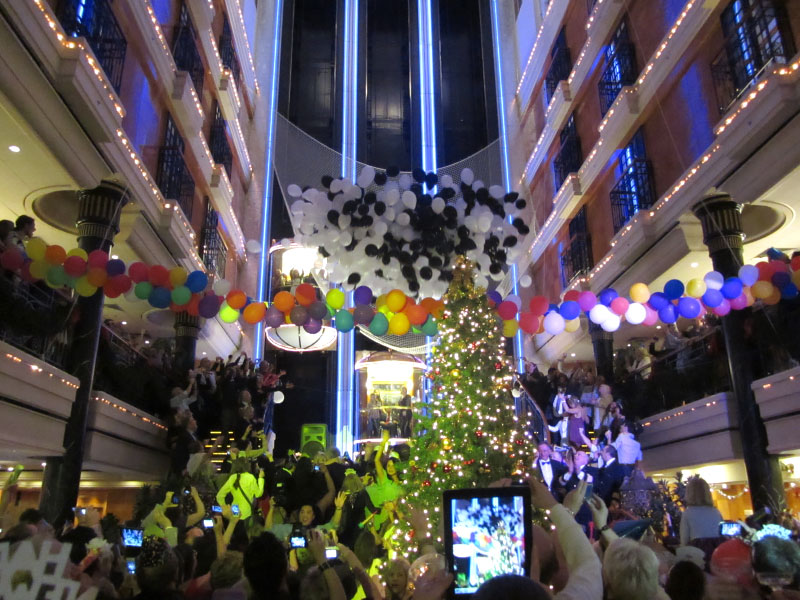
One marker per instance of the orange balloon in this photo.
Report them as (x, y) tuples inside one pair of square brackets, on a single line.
[(55, 254), (417, 315), (283, 301), (236, 299), (305, 294), (437, 311), (96, 276), (254, 312), (429, 304), (774, 298)]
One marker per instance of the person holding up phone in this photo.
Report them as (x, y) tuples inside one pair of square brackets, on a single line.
[(243, 487), (701, 518)]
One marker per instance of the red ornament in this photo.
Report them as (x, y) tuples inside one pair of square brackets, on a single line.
[(519, 442), (434, 465), (426, 483), (479, 433), (498, 365), (447, 468)]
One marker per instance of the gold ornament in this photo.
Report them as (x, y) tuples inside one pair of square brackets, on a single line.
[(455, 373)]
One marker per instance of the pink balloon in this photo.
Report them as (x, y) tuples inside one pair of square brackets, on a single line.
[(739, 302), (723, 309), (619, 305), (587, 300), (652, 315), (507, 310)]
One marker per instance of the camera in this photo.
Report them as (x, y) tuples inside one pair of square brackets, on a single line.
[(730, 528), (132, 538), (216, 508), (176, 499)]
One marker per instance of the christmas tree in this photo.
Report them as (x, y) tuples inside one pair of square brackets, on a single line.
[(468, 435)]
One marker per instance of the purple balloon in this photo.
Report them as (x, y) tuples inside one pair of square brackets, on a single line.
[(669, 313), (494, 296), (689, 308), (362, 295), (274, 317), (299, 315), (318, 310), (208, 306), (607, 295), (780, 279), (313, 325), (115, 267), (712, 298), (363, 314), (731, 288)]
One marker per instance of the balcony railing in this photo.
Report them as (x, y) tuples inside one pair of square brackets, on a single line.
[(576, 259), (220, 150), (227, 52), (184, 50), (560, 68), (174, 179), (568, 160), (213, 251), (632, 193), (620, 71), (95, 21)]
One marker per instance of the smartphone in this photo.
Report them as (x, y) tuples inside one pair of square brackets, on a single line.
[(80, 512), (208, 523), (131, 566), (187, 491), (730, 528), (316, 467), (176, 499), (589, 491), (216, 508), (480, 525), (331, 552), (235, 510), (132, 538), (297, 541)]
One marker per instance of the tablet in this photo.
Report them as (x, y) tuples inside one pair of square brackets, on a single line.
[(487, 533)]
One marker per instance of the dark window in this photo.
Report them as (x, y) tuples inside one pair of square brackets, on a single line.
[(560, 66), (220, 149), (620, 67), (213, 251), (173, 177), (569, 158), (756, 32), (184, 50), (634, 188), (576, 259), (94, 20), (227, 52)]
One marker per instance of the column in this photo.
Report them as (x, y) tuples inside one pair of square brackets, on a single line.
[(603, 345), (98, 222), (187, 328), (720, 217)]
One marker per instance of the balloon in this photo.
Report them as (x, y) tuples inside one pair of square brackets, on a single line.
[(723, 309), (335, 299), (607, 295), (318, 310), (554, 323), (253, 246), (430, 328), (773, 298), (713, 298), (274, 317), (344, 321), (297, 315), (731, 288), (599, 313), (177, 276), (673, 289), (569, 310), (658, 300), (98, 258), (208, 306), (516, 300), (739, 302), (796, 278), (507, 310), (652, 316), (510, 328), (159, 297), (74, 266), (56, 277), (395, 301), (399, 324), (181, 295), (748, 274), (12, 259), (636, 313), (714, 280), (38, 269), (305, 294), (97, 276), (228, 314), (55, 254), (525, 281), (732, 561), (278, 397), (313, 326), (236, 299), (158, 276), (379, 324), (84, 288), (528, 322), (197, 281), (668, 313), (572, 325), (695, 288), (193, 308), (789, 291), (619, 305), (362, 295), (36, 248), (795, 264), (640, 293), (587, 300), (138, 272), (689, 308), (78, 252), (538, 305), (762, 289), (120, 283), (363, 314), (142, 289), (781, 278), (221, 287), (417, 315), (611, 323), (494, 298)]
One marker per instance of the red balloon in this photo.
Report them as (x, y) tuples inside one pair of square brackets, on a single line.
[(193, 308), (572, 295), (764, 271), (12, 259), (778, 266), (159, 276), (305, 294), (138, 272), (121, 283), (417, 315), (507, 310), (539, 305), (529, 322), (97, 259), (74, 266)]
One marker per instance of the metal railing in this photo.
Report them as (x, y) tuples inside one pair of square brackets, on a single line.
[(576, 259), (172, 176), (185, 52), (213, 252), (632, 192), (227, 52), (620, 71), (218, 142), (95, 21), (560, 68), (568, 160)]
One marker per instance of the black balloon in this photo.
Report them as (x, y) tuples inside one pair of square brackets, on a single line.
[(370, 198), (431, 179), (426, 273), (371, 250), (413, 286), (495, 268), (380, 178), (521, 204), (354, 278), (326, 181), (333, 216), (393, 171), (380, 208), (363, 210), (418, 175), (510, 241), (510, 197)]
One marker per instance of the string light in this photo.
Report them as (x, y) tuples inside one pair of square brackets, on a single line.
[(42, 368), (110, 401)]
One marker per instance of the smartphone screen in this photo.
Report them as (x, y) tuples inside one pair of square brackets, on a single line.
[(216, 508), (176, 499), (235, 510), (730, 528), (589, 491), (297, 541), (208, 523), (132, 538), (331, 552), (131, 566)]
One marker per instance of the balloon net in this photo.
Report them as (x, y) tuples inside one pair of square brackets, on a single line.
[(410, 343)]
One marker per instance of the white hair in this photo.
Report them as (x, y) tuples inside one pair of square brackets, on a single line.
[(630, 571)]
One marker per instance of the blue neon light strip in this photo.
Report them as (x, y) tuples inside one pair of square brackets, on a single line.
[(501, 112), (426, 85), (258, 350)]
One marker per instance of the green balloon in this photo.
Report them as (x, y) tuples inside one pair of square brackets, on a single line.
[(56, 277), (379, 324), (344, 321), (143, 289), (429, 328), (181, 295)]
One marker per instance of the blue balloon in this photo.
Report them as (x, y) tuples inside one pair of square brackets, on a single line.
[(494, 296), (607, 295), (673, 289), (789, 291), (658, 300), (689, 308), (552, 307), (732, 288), (160, 297), (781, 279), (570, 310), (668, 314), (712, 298), (196, 281)]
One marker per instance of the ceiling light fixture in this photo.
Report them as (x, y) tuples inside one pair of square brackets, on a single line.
[(15, 149), (694, 265), (124, 322)]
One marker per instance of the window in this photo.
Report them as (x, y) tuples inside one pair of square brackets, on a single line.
[(218, 142), (184, 50), (227, 52), (576, 259), (634, 188), (620, 67), (560, 66), (756, 32), (173, 177), (569, 158), (213, 251)]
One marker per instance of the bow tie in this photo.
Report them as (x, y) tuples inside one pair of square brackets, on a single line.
[(544, 462)]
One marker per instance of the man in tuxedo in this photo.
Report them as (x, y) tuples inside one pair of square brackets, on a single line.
[(578, 470), (610, 477), (550, 471)]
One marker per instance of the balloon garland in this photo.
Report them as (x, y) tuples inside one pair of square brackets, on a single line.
[(766, 281)]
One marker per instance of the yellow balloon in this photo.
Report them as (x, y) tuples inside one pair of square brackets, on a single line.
[(695, 288), (572, 325), (78, 252), (396, 300), (39, 268), (773, 298), (228, 314), (335, 299), (84, 288), (177, 276), (510, 328), (35, 248), (762, 289), (749, 295), (380, 301), (639, 292), (399, 323)]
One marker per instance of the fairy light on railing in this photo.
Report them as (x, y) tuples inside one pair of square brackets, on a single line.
[(42, 370), (155, 423), (539, 36), (248, 52)]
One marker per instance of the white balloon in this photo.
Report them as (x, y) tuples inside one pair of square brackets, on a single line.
[(481, 281), (554, 323), (336, 186), (599, 314), (714, 280), (403, 219), (611, 323), (253, 246), (344, 221), (221, 287), (467, 176), (497, 192), (485, 223), (477, 184), (405, 181), (294, 190), (278, 397), (366, 177), (438, 205), (446, 181), (392, 196), (345, 239), (409, 199), (516, 393), (636, 313), (389, 214), (525, 281), (380, 229)]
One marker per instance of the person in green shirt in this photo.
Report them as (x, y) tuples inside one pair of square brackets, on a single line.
[(244, 488)]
